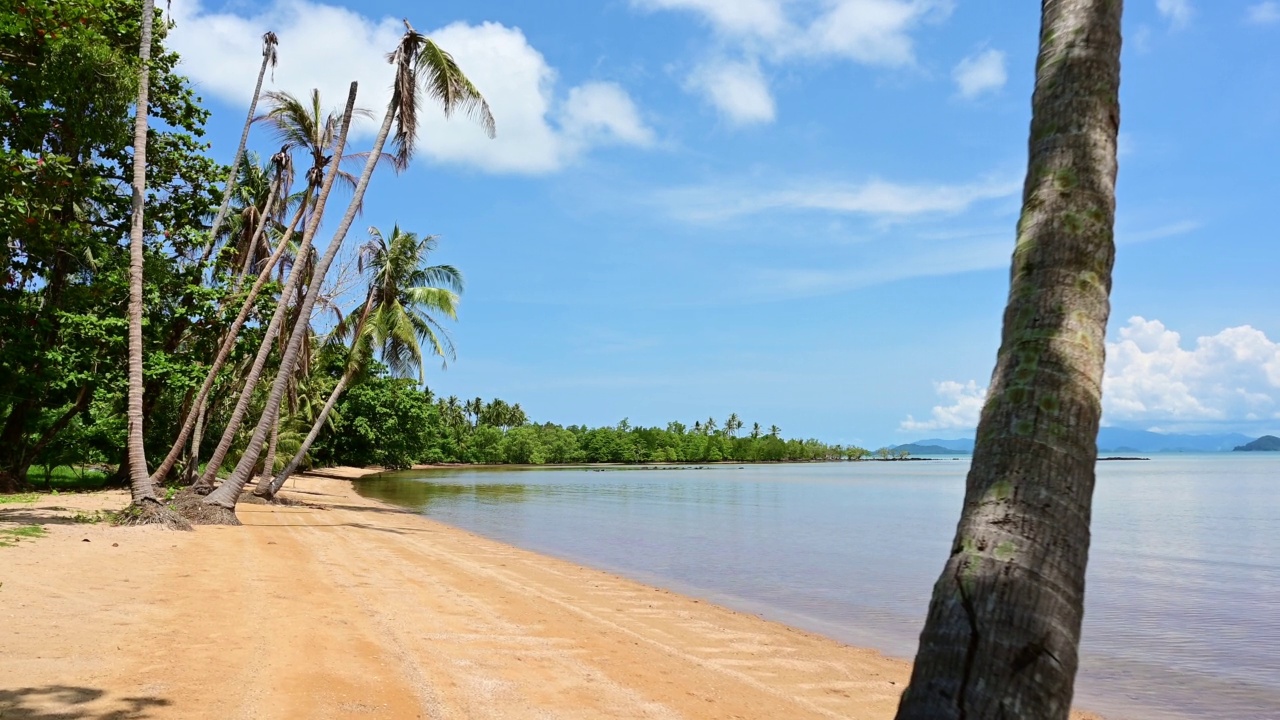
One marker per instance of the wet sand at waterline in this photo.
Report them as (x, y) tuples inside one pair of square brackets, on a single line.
[(357, 609)]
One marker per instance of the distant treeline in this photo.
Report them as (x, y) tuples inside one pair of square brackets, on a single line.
[(395, 423)]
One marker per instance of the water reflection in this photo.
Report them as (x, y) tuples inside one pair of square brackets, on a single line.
[(1182, 616)]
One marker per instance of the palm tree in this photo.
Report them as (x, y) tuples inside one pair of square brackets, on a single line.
[(755, 431), (774, 431), (395, 322), (316, 211), (732, 425), (415, 59), (269, 57), (195, 418), (143, 490), (1003, 629)]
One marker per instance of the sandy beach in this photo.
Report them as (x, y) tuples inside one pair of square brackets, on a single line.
[(357, 609)]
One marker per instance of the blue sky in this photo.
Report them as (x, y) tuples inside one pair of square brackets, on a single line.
[(801, 211)]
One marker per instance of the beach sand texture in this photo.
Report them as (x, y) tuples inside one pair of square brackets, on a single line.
[(357, 609)]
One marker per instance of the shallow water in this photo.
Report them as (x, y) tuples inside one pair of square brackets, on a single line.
[(1183, 610)]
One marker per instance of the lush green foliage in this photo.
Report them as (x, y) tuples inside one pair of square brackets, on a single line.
[(391, 422), (67, 80)]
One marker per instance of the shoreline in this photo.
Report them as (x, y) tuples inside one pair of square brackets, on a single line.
[(355, 607)]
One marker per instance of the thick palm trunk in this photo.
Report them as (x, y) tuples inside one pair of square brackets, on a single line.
[(224, 350), (226, 495), (277, 319), (233, 175), (268, 487), (140, 482), (1003, 628)]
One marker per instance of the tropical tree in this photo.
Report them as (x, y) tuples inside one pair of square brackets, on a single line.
[(1003, 630), (397, 320), (418, 62), (278, 317), (270, 57), (143, 490), (755, 431), (732, 425)]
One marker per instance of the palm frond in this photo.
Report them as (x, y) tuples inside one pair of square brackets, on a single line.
[(444, 80)]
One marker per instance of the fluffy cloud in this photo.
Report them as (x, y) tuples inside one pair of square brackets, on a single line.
[(1264, 13), (870, 32), (737, 89), (960, 411), (326, 47), (980, 73), (875, 198), (1177, 12), (1230, 377)]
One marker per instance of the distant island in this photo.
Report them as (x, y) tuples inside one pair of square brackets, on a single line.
[(1266, 443), (919, 449), (1120, 441)]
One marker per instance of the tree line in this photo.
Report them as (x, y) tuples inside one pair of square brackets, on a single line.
[(391, 422)]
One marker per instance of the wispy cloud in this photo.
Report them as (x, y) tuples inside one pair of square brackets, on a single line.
[(876, 33), (1177, 12), (982, 72), (1264, 13), (874, 198), (737, 89)]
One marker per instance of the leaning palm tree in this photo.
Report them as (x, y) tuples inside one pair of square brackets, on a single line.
[(270, 57), (143, 490), (1003, 630), (397, 321), (418, 62), (308, 128)]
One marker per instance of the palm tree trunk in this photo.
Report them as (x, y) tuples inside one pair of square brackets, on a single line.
[(233, 175), (224, 350), (197, 437), (226, 495), (268, 208), (1003, 630), (268, 487), (141, 485), (259, 362), (269, 463)]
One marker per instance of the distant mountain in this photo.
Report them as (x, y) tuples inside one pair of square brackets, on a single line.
[(963, 445), (1115, 440), (922, 449), (1266, 443), (1112, 439)]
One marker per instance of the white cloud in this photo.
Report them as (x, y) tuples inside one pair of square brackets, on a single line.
[(1177, 12), (961, 411), (763, 18), (326, 47), (737, 89), (1231, 377), (869, 32), (876, 198), (980, 73), (1264, 13), (603, 112)]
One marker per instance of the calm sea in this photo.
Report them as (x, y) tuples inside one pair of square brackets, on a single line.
[(1183, 610)]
